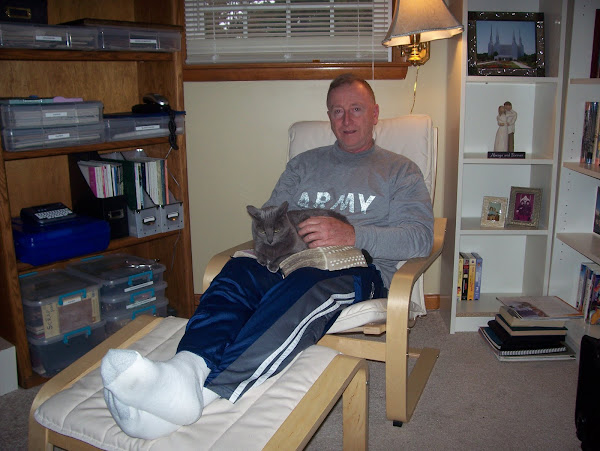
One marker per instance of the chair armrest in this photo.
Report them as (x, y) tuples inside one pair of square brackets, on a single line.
[(216, 263), (345, 377), (404, 280)]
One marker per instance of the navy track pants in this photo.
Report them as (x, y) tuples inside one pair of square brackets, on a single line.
[(251, 323)]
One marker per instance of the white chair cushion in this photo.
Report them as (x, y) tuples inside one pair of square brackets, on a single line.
[(372, 311), (80, 411)]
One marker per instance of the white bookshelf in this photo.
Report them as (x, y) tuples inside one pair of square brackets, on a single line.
[(515, 261), (574, 241)]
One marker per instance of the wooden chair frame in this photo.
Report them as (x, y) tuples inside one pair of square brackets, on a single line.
[(345, 377), (403, 389)]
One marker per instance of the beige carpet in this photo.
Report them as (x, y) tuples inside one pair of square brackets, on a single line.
[(472, 402)]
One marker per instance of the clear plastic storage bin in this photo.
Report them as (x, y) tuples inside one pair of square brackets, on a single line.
[(139, 126), (51, 114), (35, 36), (132, 39), (124, 302), (51, 355), (116, 320), (15, 139), (56, 301), (119, 274)]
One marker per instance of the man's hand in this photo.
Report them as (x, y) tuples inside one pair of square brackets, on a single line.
[(320, 231)]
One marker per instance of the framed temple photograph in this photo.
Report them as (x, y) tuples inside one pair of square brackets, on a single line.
[(524, 207), (506, 43), (493, 211)]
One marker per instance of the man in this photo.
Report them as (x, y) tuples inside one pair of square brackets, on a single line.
[(250, 322)]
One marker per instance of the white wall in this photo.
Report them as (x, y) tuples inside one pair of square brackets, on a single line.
[(237, 139)]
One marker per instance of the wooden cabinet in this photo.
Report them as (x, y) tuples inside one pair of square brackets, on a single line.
[(119, 80), (575, 241), (515, 261)]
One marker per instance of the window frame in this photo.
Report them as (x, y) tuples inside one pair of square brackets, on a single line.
[(394, 70)]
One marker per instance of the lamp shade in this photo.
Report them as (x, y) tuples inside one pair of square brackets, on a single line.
[(430, 18)]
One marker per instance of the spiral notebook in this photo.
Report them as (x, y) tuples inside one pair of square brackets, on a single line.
[(533, 352)]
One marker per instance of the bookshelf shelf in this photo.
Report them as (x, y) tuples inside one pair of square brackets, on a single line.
[(586, 169), (587, 244), (102, 147), (481, 158), (472, 226), (34, 177), (585, 81)]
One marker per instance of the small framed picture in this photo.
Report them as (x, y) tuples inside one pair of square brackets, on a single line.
[(493, 211), (506, 43), (524, 207)]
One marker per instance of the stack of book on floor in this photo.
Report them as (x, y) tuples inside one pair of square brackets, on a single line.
[(530, 328)]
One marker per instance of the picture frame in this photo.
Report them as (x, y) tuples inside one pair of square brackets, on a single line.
[(490, 46), (493, 211), (524, 207), (595, 63)]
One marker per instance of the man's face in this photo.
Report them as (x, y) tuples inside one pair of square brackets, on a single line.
[(352, 114), (508, 107)]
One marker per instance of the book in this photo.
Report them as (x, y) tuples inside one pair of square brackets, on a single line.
[(540, 307), (524, 340), (529, 330), (596, 227), (533, 348), (478, 275), (105, 179), (471, 283), (589, 133), (581, 285), (465, 281), (513, 319), (459, 276), (330, 258), (591, 304), (567, 354)]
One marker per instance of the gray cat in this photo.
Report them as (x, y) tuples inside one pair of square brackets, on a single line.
[(275, 231)]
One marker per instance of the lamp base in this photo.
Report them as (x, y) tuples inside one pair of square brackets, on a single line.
[(416, 54)]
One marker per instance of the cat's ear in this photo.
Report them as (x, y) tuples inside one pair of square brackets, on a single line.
[(283, 207), (253, 211)]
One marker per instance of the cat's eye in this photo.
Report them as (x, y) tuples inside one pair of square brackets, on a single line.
[(261, 231), (276, 230)]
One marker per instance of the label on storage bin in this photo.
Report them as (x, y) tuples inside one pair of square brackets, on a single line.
[(143, 41), (51, 320), (147, 127), (73, 314), (49, 38), (140, 302), (137, 287), (72, 299), (59, 136), (56, 114)]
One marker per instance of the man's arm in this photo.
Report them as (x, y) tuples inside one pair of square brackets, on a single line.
[(408, 232)]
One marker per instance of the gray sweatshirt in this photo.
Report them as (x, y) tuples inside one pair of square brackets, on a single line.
[(382, 194)]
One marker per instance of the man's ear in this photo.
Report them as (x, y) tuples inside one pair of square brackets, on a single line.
[(375, 114)]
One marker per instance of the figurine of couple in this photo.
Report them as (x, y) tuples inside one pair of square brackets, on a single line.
[(505, 136)]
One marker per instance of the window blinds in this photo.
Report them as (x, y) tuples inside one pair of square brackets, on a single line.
[(267, 31)]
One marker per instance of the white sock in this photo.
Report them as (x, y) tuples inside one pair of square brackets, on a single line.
[(141, 424), (137, 423), (170, 390)]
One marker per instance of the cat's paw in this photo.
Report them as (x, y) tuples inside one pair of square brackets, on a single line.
[(272, 267)]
